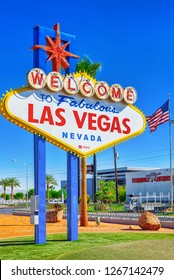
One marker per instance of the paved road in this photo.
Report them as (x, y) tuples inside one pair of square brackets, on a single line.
[(6, 210), (126, 215), (9, 211)]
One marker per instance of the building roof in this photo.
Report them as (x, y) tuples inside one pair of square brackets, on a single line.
[(126, 169)]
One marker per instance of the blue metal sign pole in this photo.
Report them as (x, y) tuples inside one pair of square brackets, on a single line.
[(72, 180), (40, 34), (39, 150), (72, 197), (40, 189)]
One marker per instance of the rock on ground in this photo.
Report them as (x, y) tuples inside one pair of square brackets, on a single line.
[(149, 221)]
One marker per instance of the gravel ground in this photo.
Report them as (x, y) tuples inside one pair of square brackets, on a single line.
[(13, 226)]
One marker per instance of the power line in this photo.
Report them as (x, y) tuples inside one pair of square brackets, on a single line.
[(61, 170)]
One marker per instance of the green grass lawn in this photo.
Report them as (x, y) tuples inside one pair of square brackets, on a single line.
[(92, 246)]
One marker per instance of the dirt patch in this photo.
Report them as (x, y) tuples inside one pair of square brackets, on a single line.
[(13, 226)]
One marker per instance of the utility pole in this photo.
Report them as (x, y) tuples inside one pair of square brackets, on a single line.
[(116, 177), (171, 168)]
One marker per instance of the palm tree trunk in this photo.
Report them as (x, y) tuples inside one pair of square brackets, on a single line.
[(12, 192), (48, 198), (4, 192), (83, 204)]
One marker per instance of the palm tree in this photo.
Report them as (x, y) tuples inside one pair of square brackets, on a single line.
[(4, 183), (50, 181), (86, 65), (13, 182), (91, 68)]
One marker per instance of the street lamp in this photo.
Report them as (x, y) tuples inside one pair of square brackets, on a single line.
[(116, 177), (26, 164)]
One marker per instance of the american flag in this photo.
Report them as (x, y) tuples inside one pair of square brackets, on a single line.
[(159, 117)]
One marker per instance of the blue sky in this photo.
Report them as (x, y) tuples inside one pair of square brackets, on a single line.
[(134, 41)]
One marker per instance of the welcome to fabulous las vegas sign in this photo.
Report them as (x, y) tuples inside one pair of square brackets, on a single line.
[(75, 112)]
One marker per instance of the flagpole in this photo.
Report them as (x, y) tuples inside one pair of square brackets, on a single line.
[(171, 169)]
